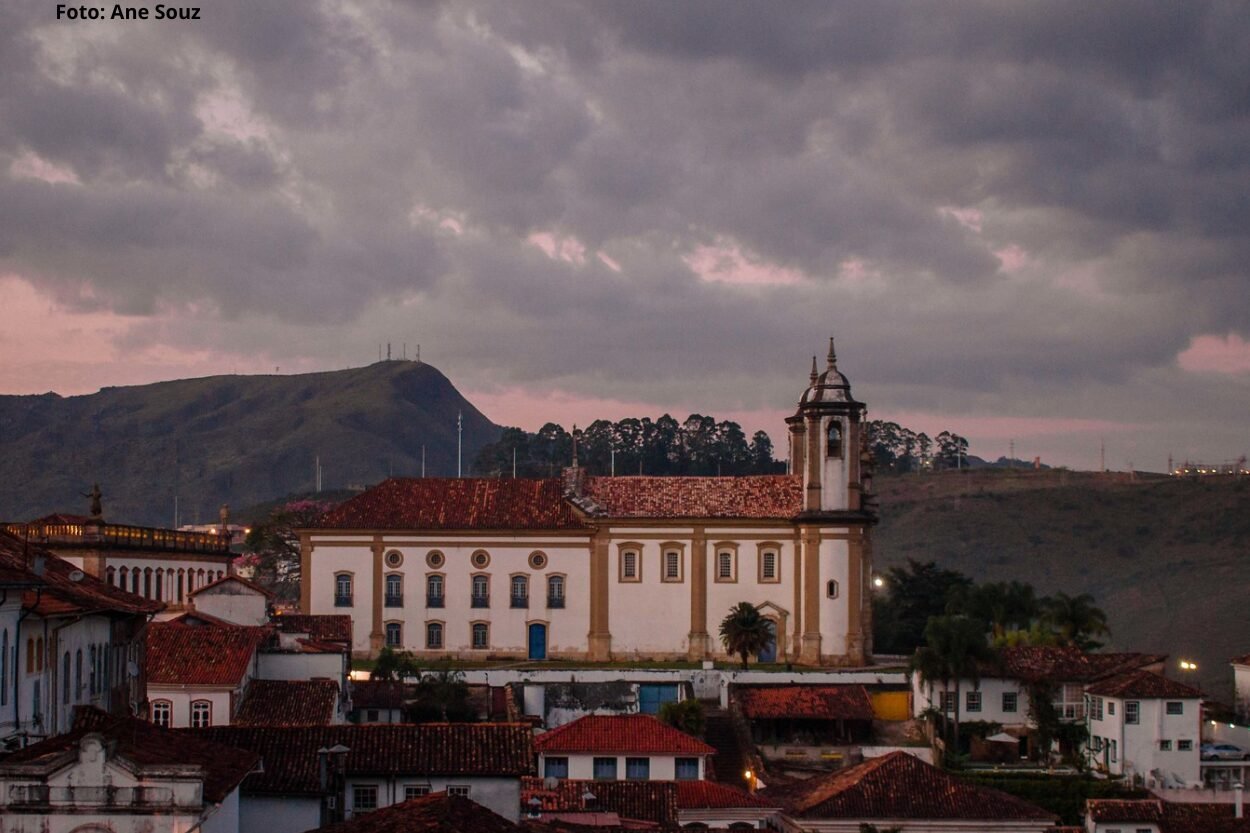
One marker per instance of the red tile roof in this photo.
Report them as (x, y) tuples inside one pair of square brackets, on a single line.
[(1149, 810), (1144, 685), (623, 734), (456, 503), (759, 496), (180, 654), (378, 694), (232, 579), (653, 801), (288, 703), (148, 746), (700, 795), (333, 627), (1244, 659), (899, 786), (1068, 664), (62, 587), (1170, 816), (820, 702), (434, 813), (290, 754)]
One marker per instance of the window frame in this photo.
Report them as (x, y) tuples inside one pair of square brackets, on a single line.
[(206, 712), (389, 597), (1165, 745), (559, 761), (1178, 711), (835, 451), (623, 550), (166, 706), (603, 760), (763, 550), (519, 601), (476, 627), (1132, 713), (725, 553), (344, 599), (412, 791), (557, 600), (442, 591), (442, 635), (359, 790), (972, 701), (480, 602), (462, 790), (1015, 702), (638, 764), (686, 761), (666, 549), (393, 626)]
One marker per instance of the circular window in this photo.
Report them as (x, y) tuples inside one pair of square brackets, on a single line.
[(394, 558), (435, 559), (480, 559), (538, 560)]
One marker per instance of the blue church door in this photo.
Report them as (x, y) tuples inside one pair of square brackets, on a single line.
[(769, 652), (538, 641)]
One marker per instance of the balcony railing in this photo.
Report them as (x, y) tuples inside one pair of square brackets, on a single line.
[(42, 795), (394, 600), (520, 601), (122, 536), (341, 600), (555, 601), (480, 601), (434, 601)]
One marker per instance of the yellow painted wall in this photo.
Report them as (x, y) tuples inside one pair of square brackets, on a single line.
[(891, 705)]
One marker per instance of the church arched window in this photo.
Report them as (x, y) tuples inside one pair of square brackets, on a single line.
[(833, 438)]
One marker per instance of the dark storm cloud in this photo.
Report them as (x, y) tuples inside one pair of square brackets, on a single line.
[(983, 198)]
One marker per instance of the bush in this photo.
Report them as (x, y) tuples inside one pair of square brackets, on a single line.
[(1064, 796), (686, 716)]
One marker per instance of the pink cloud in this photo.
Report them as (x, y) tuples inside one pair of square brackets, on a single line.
[(727, 262), (1012, 258), (30, 166), (969, 218), (568, 249), (1216, 354), (1004, 428)]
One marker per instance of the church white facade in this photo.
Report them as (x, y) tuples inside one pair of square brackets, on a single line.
[(613, 568)]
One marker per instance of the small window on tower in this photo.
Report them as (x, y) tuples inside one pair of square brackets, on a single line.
[(833, 440)]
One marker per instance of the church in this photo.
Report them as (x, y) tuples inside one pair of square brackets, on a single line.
[(613, 568)]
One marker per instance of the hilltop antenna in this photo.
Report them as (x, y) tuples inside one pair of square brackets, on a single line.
[(379, 351), (405, 351), (418, 354), (423, 459), (514, 462), (459, 442), (1011, 453), (388, 351), (1102, 454)]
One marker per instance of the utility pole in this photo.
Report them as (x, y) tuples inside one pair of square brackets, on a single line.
[(423, 460), (1011, 453), (1102, 455), (459, 441), (514, 462)]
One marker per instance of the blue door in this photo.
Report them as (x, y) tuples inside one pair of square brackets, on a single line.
[(769, 652), (538, 641)]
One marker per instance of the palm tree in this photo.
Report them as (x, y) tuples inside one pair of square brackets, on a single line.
[(744, 631), (1075, 620), (955, 649), (1003, 606)]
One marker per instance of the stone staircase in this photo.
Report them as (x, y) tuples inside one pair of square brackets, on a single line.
[(731, 759)]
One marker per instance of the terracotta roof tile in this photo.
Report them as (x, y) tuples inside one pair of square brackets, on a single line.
[(290, 754), (147, 745), (434, 813), (654, 801), (331, 627), (456, 503), (233, 579), (1069, 664), (757, 496), (1170, 816), (699, 795), (1120, 809), (824, 702), (179, 654), (622, 734), (1143, 684), (63, 588), (1244, 659), (288, 703), (899, 786), (378, 694)]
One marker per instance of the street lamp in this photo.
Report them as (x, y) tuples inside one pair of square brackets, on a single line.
[(1188, 665)]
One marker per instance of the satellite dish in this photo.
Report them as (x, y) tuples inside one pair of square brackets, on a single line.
[(132, 668), (76, 575)]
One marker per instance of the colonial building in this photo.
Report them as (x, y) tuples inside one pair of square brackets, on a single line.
[(613, 567)]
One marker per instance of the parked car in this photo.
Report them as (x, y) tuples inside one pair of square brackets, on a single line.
[(1223, 752)]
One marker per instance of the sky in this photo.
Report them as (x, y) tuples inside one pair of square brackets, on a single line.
[(1028, 223)]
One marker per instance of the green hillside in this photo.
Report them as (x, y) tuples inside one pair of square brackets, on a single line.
[(1168, 559), (228, 439)]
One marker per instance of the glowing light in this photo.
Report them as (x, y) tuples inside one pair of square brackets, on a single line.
[(878, 581)]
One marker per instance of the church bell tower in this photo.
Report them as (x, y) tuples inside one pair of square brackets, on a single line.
[(825, 441)]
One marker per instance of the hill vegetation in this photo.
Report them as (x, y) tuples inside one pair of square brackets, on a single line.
[(229, 439), (1165, 558)]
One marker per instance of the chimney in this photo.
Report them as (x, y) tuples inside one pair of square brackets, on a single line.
[(1238, 791)]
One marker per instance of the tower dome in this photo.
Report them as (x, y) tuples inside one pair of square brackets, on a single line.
[(828, 387)]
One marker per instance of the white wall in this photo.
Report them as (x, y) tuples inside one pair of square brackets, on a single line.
[(1241, 683), (9, 612), (181, 697), (992, 690), (225, 817), (581, 767), (279, 814), (501, 795), (281, 665), (1138, 744), (234, 603)]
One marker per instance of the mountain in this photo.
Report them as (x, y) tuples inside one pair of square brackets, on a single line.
[(229, 439), (1165, 557)]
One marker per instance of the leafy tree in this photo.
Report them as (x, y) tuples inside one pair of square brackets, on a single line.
[(745, 632), (686, 715), (955, 649), (952, 451), (274, 541), (442, 694), (913, 594), (1002, 606), (1075, 620), (393, 665)]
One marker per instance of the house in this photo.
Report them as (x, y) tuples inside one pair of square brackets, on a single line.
[(719, 805), (233, 599), (160, 564), (290, 703), (899, 790), (433, 813), (377, 701), (1141, 724), (314, 775), (786, 719), (1153, 815), (67, 639), (197, 676), (612, 567), (1002, 694), (582, 803), (1241, 686), (124, 775), (626, 747)]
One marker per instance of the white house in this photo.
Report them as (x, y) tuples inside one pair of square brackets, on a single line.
[(1144, 725), (316, 775), (1241, 686), (234, 600), (197, 676), (634, 747), (125, 776), (66, 639), (613, 567), (1152, 815)]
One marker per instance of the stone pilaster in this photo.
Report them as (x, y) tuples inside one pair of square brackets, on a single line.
[(377, 634), (809, 649), (855, 596), (698, 639), (305, 574), (600, 637)]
